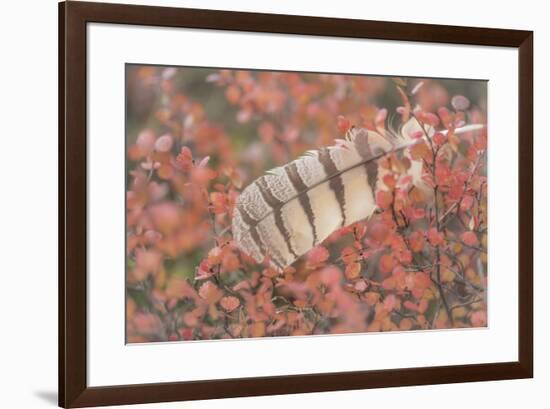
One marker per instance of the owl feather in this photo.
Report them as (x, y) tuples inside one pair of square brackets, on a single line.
[(292, 208)]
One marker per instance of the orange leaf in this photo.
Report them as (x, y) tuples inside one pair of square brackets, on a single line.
[(353, 271), (229, 303), (230, 262), (421, 150), (348, 255)]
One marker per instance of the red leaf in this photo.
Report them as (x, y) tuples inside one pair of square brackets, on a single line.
[(186, 333)]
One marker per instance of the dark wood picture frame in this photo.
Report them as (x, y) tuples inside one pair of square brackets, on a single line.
[(73, 388)]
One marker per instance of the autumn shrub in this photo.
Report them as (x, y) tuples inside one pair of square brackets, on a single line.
[(197, 137)]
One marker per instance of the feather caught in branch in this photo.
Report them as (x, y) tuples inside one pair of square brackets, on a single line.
[(292, 208)]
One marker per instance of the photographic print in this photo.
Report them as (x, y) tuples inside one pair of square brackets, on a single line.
[(271, 203)]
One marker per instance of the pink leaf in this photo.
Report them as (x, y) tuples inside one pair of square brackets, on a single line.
[(164, 143), (469, 238), (318, 255)]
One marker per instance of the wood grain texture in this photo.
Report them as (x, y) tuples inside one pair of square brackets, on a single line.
[(73, 17)]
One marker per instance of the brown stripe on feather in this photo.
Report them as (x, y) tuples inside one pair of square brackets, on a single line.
[(276, 205), (253, 232), (252, 223), (335, 183), (361, 142), (299, 185), (372, 175)]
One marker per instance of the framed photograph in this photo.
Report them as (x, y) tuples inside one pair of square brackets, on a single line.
[(257, 204)]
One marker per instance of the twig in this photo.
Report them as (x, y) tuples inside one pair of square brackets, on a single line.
[(436, 209), (480, 249), (476, 300)]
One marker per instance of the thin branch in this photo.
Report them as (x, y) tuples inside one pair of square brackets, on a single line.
[(476, 300)]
